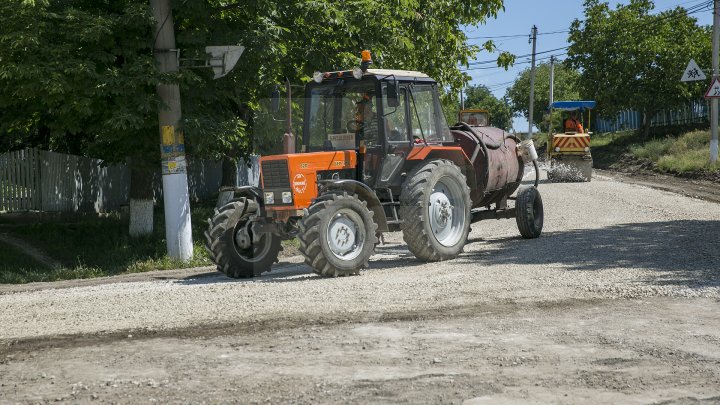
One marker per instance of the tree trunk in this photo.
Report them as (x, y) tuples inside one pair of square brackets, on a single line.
[(229, 179), (141, 202)]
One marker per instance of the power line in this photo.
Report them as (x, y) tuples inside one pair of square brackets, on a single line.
[(691, 10), (706, 2), (519, 35)]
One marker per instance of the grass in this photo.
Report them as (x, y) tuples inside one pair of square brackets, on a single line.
[(100, 247), (685, 153)]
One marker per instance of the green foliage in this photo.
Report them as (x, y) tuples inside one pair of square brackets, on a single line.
[(632, 59), (14, 261), (652, 149), (480, 97), (79, 76), (565, 88), (113, 251), (688, 152)]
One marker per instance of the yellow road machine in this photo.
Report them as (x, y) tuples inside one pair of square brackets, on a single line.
[(568, 152)]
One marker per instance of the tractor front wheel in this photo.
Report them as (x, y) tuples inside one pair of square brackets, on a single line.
[(435, 209), (232, 246), (337, 235)]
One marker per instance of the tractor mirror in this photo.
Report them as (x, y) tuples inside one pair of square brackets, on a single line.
[(275, 100), (392, 94)]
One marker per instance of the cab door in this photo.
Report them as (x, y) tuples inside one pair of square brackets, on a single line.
[(395, 128)]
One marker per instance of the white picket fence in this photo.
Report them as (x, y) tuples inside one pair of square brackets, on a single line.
[(37, 180)]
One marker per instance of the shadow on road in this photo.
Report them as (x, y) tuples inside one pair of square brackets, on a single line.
[(683, 252)]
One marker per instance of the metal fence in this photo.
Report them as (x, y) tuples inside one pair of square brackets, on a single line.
[(37, 180), (694, 112)]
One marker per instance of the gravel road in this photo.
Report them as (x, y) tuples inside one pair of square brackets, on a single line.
[(621, 272)]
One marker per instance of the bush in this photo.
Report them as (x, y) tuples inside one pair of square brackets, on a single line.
[(652, 150), (688, 152)]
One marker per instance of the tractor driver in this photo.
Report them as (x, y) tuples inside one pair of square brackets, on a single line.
[(366, 119), (572, 124)]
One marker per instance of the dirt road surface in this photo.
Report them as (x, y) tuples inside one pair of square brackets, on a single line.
[(617, 302)]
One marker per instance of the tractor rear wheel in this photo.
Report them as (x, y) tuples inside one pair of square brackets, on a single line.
[(529, 213), (337, 235), (231, 244), (435, 208)]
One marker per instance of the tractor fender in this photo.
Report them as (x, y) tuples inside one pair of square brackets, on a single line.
[(454, 154), (250, 192), (364, 192)]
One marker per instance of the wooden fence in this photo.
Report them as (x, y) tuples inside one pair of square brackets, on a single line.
[(20, 181), (36, 180)]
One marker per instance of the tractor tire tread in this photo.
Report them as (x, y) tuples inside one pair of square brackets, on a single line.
[(413, 212), (310, 243)]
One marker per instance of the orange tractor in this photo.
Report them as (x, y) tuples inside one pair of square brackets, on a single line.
[(376, 156)]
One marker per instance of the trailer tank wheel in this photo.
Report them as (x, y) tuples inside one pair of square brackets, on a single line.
[(435, 208), (337, 235), (529, 212), (231, 244)]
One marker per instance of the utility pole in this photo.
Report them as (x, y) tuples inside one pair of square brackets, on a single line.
[(715, 73), (533, 39), (178, 231), (462, 98), (552, 77)]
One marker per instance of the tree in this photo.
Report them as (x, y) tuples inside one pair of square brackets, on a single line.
[(78, 76), (631, 59), (565, 88), (479, 96)]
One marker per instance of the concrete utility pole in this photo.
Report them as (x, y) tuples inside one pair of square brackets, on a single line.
[(552, 77), (533, 39), (715, 73), (462, 98), (178, 231)]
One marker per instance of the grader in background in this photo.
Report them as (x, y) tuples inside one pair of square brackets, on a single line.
[(568, 152)]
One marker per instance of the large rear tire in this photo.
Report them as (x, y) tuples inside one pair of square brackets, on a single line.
[(337, 235), (529, 213), (435, 209), (231, 245)]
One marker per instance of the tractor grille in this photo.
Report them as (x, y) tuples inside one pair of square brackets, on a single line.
[(275, 174)]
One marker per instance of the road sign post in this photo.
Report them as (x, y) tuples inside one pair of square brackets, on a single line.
[(714, 101)]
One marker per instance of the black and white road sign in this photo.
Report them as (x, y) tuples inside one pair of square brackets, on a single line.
[(692, 72)]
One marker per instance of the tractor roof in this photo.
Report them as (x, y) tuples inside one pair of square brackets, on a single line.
[(573, 105), (397, 73)]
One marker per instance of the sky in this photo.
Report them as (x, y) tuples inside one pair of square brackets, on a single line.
[(511, 29)]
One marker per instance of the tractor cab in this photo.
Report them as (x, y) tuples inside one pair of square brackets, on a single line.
[(380, 108), (381, 114), (475, 117), (568, 149)]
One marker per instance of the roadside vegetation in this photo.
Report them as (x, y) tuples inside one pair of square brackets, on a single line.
[(95, 247), (686, 154)]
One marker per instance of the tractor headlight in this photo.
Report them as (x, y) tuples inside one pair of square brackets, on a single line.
[(587, 149), (269, 197), (286, 197), (357, 73), (317, 77), (557, 149)]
